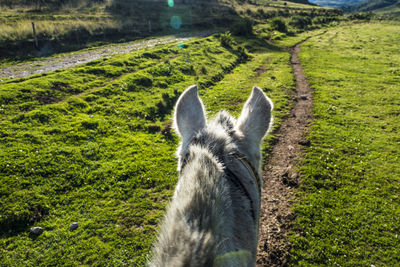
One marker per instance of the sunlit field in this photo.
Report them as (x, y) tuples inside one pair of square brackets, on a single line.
[(349, 203), (94, 144)]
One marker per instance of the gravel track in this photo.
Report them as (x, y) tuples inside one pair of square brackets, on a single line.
[(69, 60)]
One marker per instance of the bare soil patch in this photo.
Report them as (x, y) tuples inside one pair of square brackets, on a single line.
[(280, 174), (260, 70)]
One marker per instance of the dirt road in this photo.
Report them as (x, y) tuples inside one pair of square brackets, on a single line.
[(280, 175)]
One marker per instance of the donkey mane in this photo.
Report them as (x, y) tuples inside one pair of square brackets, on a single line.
[(212, 219)]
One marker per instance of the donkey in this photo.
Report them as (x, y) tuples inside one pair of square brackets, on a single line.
[(212, 219)]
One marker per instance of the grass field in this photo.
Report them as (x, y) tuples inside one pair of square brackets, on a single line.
[(349, 206), (93, 144)]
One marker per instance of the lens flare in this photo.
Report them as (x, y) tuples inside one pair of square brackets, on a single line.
[(181, 45), (170, 3), (176, 22)]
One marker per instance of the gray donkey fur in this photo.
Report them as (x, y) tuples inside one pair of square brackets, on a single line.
[(213, 218)]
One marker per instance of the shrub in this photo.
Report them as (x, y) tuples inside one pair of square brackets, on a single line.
[(242, 27), (153, 128), (187, 69), (324, 19), (242, 53), (362, 16), (286, 13), (260, 12), (203, 70), (138, 82), (300, 22), (226, 39), (162, 108), (270, 14), (279, 25)]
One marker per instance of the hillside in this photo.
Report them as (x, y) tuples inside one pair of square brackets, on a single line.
[(305, 2), (380, 6), (336, 3), (75, 25), (385, 7)]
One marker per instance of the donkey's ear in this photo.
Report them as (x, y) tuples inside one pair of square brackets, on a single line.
[(255, 119), (189, 117)]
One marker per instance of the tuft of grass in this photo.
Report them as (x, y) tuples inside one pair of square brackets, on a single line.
[(349, 201)]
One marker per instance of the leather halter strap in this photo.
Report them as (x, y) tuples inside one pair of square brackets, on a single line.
[(236, 180), (243, 160), (250, 168)]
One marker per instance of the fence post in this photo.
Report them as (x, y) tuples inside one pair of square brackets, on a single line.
[(34, 35)]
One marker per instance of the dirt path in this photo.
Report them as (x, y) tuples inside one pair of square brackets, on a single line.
[(280, 176), (76, 58)]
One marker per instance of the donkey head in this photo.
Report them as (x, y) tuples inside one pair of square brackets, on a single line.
[(251, 126)]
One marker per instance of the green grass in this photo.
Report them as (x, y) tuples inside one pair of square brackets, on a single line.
[(349, 206), (92, 144)]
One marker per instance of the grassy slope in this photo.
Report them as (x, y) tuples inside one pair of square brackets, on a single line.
[(350, 205), (85, 145), (392, 11), (380, 6), (71, 28)]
